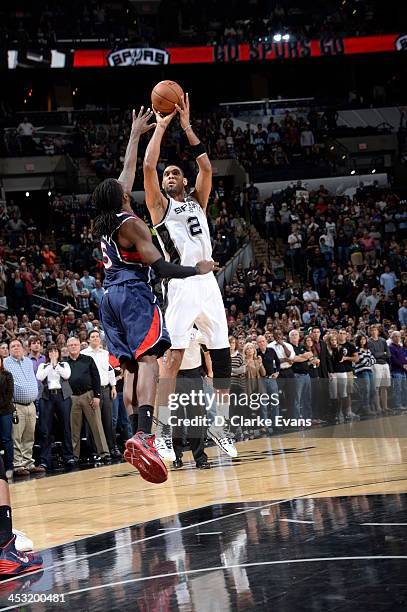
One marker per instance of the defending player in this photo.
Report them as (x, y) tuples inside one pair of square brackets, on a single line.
[(131, 318), (180, 220), (12, 562)]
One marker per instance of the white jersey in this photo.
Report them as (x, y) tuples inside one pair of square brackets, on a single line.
[(183, 233), (184, 238)]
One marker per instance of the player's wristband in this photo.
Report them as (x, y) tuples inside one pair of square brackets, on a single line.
[(198, 150), (189, 127), (170, 270)]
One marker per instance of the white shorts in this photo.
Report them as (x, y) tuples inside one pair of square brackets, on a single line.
[(381, 373), (338, 385), (196, 300)]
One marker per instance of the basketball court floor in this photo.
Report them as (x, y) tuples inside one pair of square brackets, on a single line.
[(313, 520)]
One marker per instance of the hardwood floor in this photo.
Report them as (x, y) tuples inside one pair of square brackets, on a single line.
[(361, 458)]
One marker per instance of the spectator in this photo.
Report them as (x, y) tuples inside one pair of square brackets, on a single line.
[(295, 249), (6, 417), (388, 280), (271, 364), (301, 367), (254, 372), (55, 399), (349, 357), (310, 296), (286, 355), (25, 394), (398, 368), (381, 370), (3, 281), (86, 391), (361, 300), (120, 419), (48, 256), (108, 386), (402, 314), (26, 130), (237, 385), (35, 355), (259, 309), (313, 365), (364, 375), (97, 295), (307, 140), (338, 384), (88, 281), (373, 300)]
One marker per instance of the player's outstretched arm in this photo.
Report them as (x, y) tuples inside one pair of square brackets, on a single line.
[(203, 184), (139, 126), (138, 233), (156, 202)]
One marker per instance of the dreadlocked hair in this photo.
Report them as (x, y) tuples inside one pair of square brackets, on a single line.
[(108, 199)]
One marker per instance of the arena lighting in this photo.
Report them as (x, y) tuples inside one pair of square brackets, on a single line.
[(49, 194), (374, 171), (277, 37), (286, 37), (27, 194), (332, 148), (343, 156), (353, 172)]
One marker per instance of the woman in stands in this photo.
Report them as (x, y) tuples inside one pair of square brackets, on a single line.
[(55, 399)]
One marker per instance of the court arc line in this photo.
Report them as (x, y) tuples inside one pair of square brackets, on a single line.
[(225, 567), (218, 518)]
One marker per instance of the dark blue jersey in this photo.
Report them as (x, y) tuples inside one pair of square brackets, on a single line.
[(122, 264)]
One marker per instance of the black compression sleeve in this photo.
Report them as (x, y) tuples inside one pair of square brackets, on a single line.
[(169, 270), (198, 150)]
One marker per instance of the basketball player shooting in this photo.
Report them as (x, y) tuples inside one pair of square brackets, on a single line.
[(129, 312), (182, 229)]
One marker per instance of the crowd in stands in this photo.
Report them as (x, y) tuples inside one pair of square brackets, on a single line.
[(45, 24), (322, 321), (263, 20), (189, 22), (271, 150)]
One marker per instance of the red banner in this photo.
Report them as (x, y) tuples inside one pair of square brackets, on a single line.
[(257, 51)]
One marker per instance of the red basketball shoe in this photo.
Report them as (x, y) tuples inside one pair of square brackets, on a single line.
[(13, 562), (141, 453)]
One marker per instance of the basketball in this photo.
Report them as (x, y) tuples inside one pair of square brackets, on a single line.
[(165, 95)]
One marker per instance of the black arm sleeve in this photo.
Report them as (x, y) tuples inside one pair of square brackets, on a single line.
[(169, 270), (277, 361), (94, 374)]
